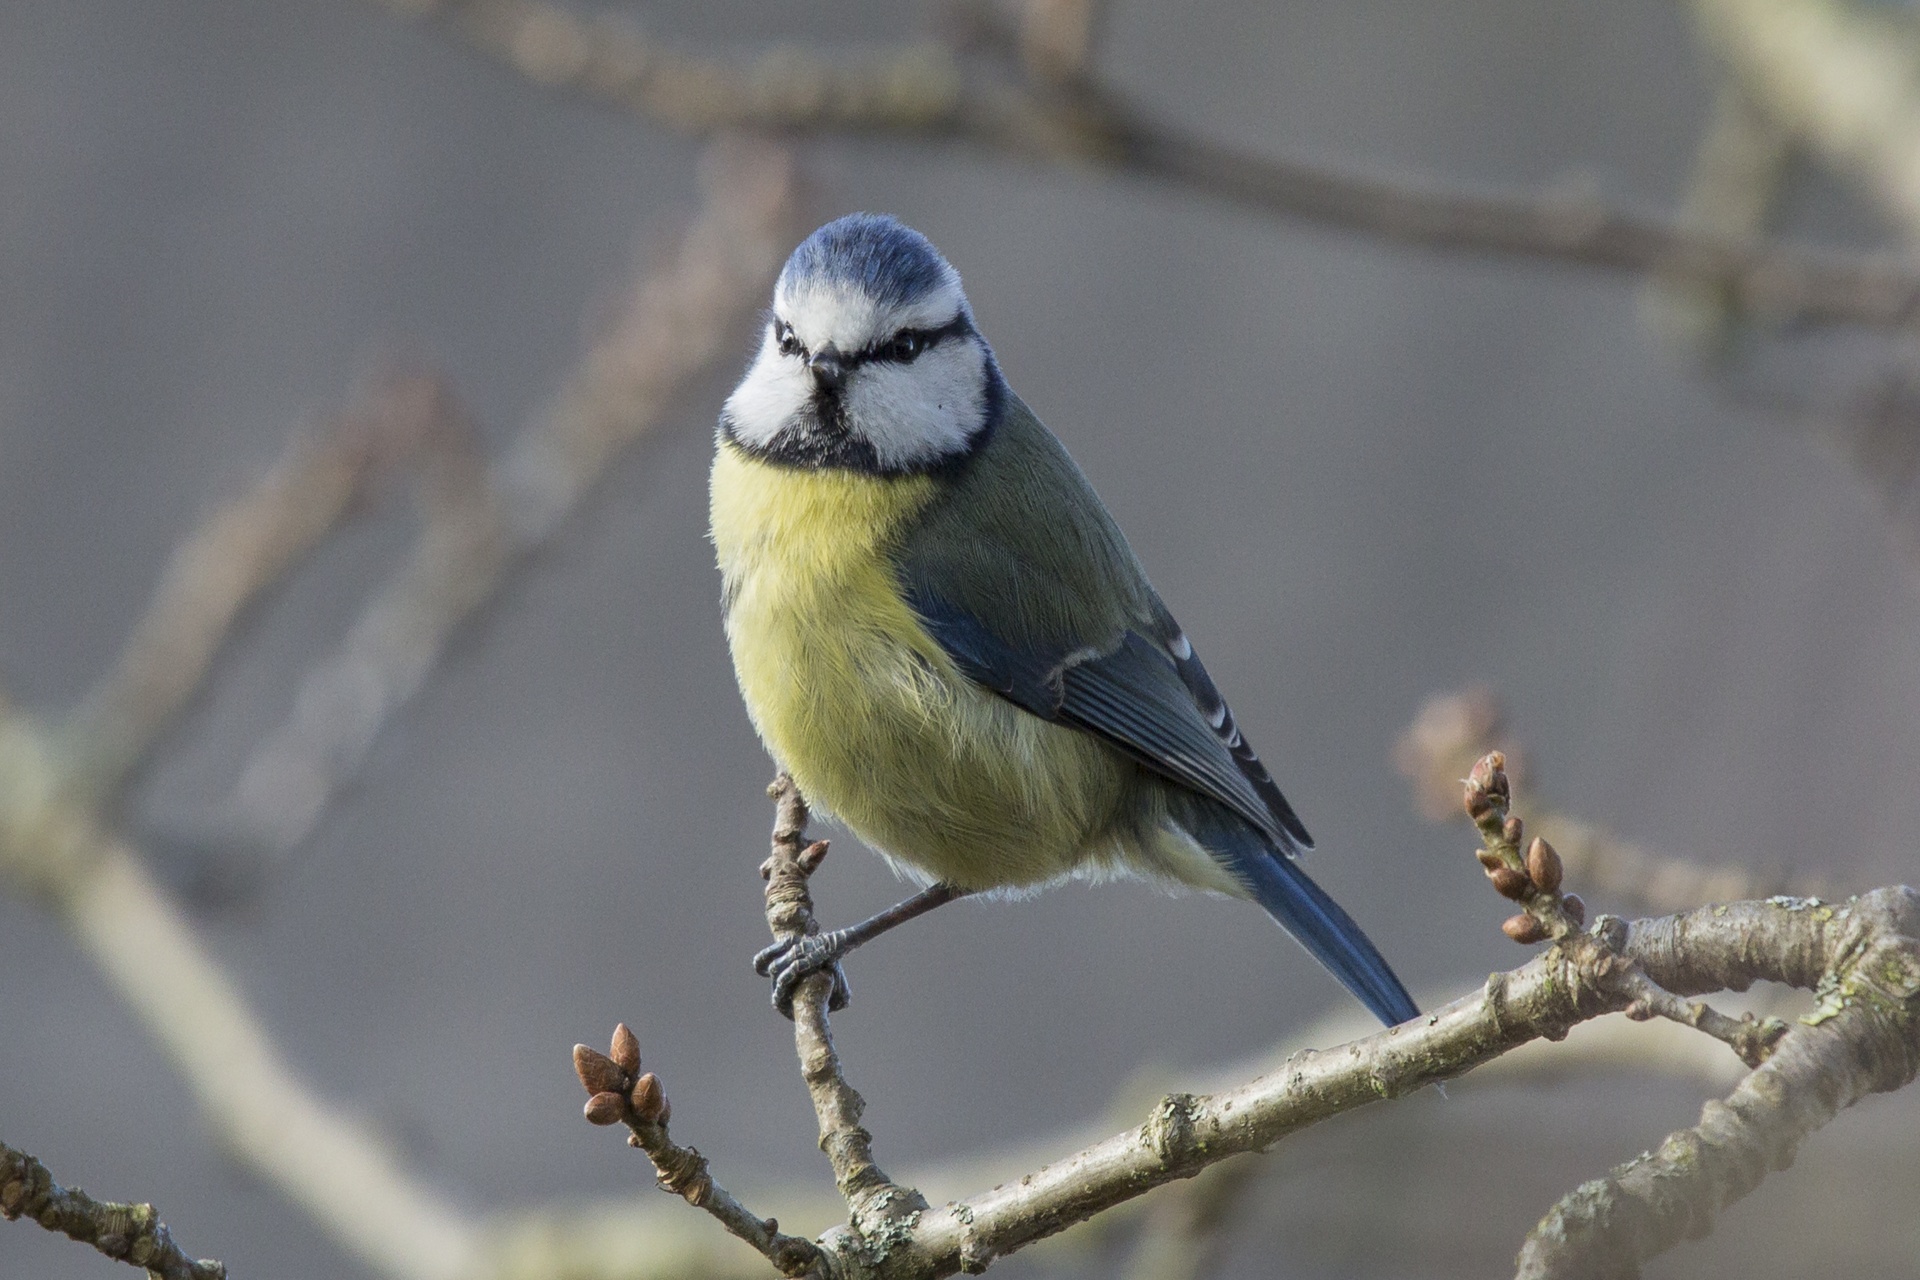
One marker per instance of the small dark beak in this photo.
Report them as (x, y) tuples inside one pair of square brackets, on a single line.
[(829, 369)]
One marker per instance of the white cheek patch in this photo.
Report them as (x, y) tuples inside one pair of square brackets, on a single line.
[(775, 389), (920, 411), (823, 312)]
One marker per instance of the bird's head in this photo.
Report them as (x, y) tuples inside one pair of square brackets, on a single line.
[(869, 360)]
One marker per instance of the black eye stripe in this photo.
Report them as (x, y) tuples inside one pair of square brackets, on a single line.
[(923, 340), (886, 352)]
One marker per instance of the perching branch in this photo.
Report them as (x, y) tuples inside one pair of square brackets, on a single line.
[(130, 1233), (880, 1208), (1862, 957), (1008, 101)]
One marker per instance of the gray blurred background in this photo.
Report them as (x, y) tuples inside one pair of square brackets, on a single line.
[(1359, 473)]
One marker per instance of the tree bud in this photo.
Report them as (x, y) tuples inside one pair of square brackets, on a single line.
[(1576, 909), (626, 1049), (1490, 860), (1513, 832), (1509, 883), (598, 1073), (1543, 865), (1523, 929), (605, 1108), (649, 1099), (1478, 802)]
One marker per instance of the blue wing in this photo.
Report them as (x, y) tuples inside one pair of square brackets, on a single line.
[(1154, 700), (1150, 697)]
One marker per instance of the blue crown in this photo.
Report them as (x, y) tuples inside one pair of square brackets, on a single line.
[(880, 255)]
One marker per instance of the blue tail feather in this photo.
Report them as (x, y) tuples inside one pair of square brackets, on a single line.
[(1315, 920)]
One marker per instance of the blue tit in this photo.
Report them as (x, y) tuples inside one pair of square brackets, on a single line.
[(941, 635)]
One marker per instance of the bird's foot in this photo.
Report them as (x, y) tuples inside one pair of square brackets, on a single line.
[(790, 961)]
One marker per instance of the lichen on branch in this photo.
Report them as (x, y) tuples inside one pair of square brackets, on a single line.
[(1861, 957), (130, 1233)]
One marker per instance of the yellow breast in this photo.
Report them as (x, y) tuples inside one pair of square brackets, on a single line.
[(852, 696)]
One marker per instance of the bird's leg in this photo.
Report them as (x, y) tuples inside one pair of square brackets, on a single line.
[(789, 961)]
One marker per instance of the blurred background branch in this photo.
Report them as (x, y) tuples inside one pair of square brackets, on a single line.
[(54, 835), (1058, 111), (480, 524), (1797, 83), (1453, 730)]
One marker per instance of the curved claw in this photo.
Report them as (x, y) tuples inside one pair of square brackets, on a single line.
[(791, 961)]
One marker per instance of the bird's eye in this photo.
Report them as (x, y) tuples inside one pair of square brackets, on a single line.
[(789, 345), (906, 346)]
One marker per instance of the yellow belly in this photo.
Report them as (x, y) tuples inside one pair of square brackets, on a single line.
[(873, 720)]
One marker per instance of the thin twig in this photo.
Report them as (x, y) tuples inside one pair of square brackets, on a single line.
[(1534, 880), (324, 1160), (1863, 958), (244, 547), (878, 1207), (130, 1233), (674, 324), (619, 1094), (55, 845), (929, 91), (1453, 730)]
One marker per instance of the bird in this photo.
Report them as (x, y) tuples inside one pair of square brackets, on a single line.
[(941, 635)]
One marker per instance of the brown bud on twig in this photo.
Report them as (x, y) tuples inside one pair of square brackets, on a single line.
[(605, 1108), (1509, 883), (1490, 860), (1478, 802), (1490, 771), (812, 856), (1523, 929), (1543, 865), (649, 1099), (1513, 832), (598, 1073), (1575, 908), (626, 1049)]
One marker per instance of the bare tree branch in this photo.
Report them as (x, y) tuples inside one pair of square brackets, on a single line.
[(880, 1209), (929, 91), (487, 522), (1862, 957), (130, 1233), (54, 842), (618, 1094), (244, 547), (1739, 171), (1844, 78), (1453, 730)]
